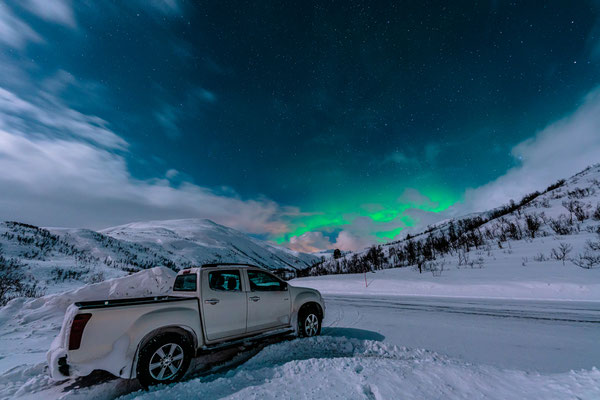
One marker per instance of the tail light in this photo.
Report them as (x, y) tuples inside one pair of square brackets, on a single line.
[(77, 328)]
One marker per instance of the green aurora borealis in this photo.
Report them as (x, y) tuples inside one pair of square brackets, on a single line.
[(382, 212)]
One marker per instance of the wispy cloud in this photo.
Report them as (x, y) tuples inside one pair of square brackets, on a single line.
[(57, 11), (49, 116), (13, 31), (167, 7), (168, 117), (63, 167), (560, 150), (428, 155)]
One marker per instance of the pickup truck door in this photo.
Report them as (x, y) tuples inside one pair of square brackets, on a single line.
[(224, 303), (269, 301)]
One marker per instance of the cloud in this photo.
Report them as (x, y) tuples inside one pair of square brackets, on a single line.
[(81, 178), (57, 11), (348, 241), (167, 7), (400, 158), (48, 116), (428, 156), (172, 173), (168, 117), (310, 242), (562, 149), (13, 31)]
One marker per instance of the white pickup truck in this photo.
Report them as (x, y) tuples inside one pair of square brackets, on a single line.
[(155, 338)]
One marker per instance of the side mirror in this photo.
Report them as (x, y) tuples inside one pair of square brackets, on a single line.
[(284, 286)]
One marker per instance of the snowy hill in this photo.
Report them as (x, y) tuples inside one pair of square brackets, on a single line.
[(52, 260), (559, 226), (203, 241)]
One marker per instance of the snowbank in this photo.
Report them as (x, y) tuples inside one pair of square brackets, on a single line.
[(338, 367), (28, 326)]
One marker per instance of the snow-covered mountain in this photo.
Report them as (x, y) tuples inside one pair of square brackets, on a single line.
[(203, 241), (560, 224), (58, 259)]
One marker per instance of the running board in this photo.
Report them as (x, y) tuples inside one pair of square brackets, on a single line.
[(244, 340)]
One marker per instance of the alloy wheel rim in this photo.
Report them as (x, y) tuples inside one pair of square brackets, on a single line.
[(311, 325), (166, 361)]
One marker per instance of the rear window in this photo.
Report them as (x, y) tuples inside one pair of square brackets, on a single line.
[(185, 283)]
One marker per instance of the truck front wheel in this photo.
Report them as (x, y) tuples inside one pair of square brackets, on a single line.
[(164, 359), (309, 323)]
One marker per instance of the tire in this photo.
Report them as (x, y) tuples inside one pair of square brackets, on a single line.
[(309, 322), (164, 359)]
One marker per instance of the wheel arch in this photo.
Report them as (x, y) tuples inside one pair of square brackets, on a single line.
[(311, 305), (180, 330)]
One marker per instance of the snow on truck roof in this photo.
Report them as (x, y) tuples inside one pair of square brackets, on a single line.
[(216, 265)]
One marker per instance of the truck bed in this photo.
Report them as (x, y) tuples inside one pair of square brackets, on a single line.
[(94, 304)]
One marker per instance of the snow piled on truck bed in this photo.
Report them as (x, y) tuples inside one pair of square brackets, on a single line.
[(338, 367), (28, 326)]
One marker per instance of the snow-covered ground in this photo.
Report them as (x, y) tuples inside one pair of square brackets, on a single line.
[(373, 347), (502, 275), (344, 368), (534, 336)]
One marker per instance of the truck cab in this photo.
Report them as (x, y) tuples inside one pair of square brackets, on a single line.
[(237, 300)]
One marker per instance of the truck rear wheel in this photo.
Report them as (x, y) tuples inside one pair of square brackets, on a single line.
[(309, 322), (164, 359)]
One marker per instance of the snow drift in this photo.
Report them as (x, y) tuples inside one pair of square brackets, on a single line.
[(338, 367)]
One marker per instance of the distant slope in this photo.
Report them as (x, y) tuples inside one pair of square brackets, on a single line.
[(203, 241), (59, 259), (567, 212)]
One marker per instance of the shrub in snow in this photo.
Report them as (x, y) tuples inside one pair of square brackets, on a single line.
[(13, 282), (532, 224), (590, 257), (562, 225), (596, 213), (561, 253), (575, 208)]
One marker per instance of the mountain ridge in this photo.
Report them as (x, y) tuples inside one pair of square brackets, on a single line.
[(56, 259)]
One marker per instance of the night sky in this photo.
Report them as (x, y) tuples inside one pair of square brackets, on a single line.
[(341, 121)]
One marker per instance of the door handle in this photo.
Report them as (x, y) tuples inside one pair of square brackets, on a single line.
[(254, 298), (211, 301)]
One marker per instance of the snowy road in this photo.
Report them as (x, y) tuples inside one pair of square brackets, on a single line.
[(543, 336)]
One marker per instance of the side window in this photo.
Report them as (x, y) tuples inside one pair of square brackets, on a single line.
[(228, 281), (185, 283), (263, 282)]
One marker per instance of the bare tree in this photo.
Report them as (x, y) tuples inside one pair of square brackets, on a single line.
[(590, 257), (575, 208), (561, 253), (596, 214), (532, 224)]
